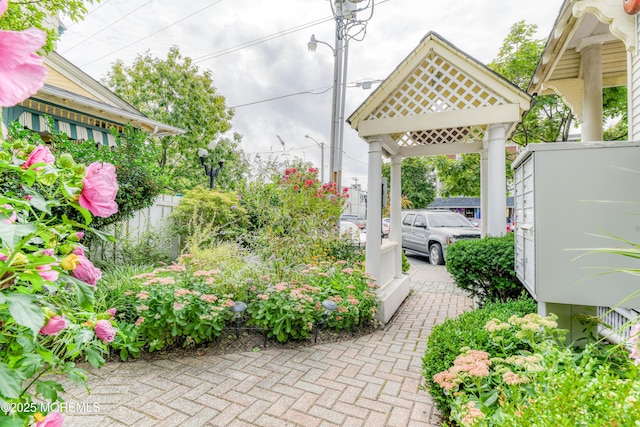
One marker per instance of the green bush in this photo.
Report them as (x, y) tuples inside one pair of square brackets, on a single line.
[(546, 384), (467, 330), (201, 208), (485, 268)]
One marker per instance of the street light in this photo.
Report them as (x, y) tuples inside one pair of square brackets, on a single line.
[(345, 14), (209, 170), (321, 145)]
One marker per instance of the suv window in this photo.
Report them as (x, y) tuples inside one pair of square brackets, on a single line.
[(448, 220), (408, 219), (420, 221)]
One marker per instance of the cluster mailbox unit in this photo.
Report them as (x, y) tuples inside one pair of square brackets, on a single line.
[(568, 197)]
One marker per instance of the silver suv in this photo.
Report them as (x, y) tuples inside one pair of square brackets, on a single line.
[(429, 232)]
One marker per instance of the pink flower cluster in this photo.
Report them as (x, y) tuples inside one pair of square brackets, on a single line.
[(472, 414), (54, 325), (474, 363)]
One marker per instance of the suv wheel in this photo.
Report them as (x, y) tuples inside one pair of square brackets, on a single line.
[(435, 254)]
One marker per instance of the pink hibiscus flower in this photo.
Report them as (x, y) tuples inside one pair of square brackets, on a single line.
[(41, 154), (105, 331), (53, 419), (54, 325), (21, 70), (100, 189)]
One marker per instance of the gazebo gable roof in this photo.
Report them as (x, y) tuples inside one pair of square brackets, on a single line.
[(439, 95)]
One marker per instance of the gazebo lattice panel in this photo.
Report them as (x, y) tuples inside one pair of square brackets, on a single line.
[(440, 136), (436, 86)]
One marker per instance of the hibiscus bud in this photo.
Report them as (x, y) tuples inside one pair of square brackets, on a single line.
[(66, 161)]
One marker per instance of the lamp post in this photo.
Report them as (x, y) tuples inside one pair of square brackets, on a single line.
[(345, 14), (321, 145), (209, 170)]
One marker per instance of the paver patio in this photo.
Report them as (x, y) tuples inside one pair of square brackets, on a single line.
[(371, 381)]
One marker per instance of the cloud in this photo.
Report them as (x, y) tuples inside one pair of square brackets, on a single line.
[(246, 67)]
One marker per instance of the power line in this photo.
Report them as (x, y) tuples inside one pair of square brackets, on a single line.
[(150, 35), (89, 13), (222, 52), (107, 27), (364, 84), (311, 92)]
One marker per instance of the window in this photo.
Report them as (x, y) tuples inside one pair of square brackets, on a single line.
[(408, 219)]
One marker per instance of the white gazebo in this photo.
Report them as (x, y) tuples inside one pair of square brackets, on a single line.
[(439, 100)]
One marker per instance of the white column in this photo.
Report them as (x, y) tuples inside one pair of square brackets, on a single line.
[(592, 106), (395, 234), (484, 180), (497, 180), (374, 207)]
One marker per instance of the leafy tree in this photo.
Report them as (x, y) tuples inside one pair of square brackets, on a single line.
[(31, 13), (174, 91), (417, 181), (549, 119)]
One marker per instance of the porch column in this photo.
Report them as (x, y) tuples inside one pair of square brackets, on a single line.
[(374, 207), (484, 179), (497, 180), (592, 79), (395, 234)]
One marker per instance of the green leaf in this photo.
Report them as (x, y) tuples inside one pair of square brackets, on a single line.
[(85, 292), (10, 382), (40, 203), (11, 234), (49, 390), (84, 336), (25, 311), (94, 357), (29, 365), (11, 422)]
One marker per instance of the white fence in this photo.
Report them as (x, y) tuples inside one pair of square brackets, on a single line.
[(154, 219)]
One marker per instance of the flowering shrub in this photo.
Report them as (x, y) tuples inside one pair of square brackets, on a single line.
[(467, 330), (41, 257), (176, 307), (294, 217), (290, 310), (37, 262), (550, 385)]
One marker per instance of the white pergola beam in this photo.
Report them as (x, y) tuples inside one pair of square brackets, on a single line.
[(448, 119), (441, 149)]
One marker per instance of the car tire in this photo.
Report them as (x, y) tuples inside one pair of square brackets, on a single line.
[(435, 254)]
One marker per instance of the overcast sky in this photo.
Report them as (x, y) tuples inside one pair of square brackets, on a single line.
[(257, 51)]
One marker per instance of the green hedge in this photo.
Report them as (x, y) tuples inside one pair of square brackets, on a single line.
[(467, 330), (485, 268)]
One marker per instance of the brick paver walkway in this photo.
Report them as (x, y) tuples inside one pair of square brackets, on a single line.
[(370, 381)]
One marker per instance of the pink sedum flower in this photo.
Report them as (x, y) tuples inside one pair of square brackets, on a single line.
[(105, 331), (47, 273), (112, 312), (53, 326), (100, 189), (22, 71), (41, 154), (53, 419)]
